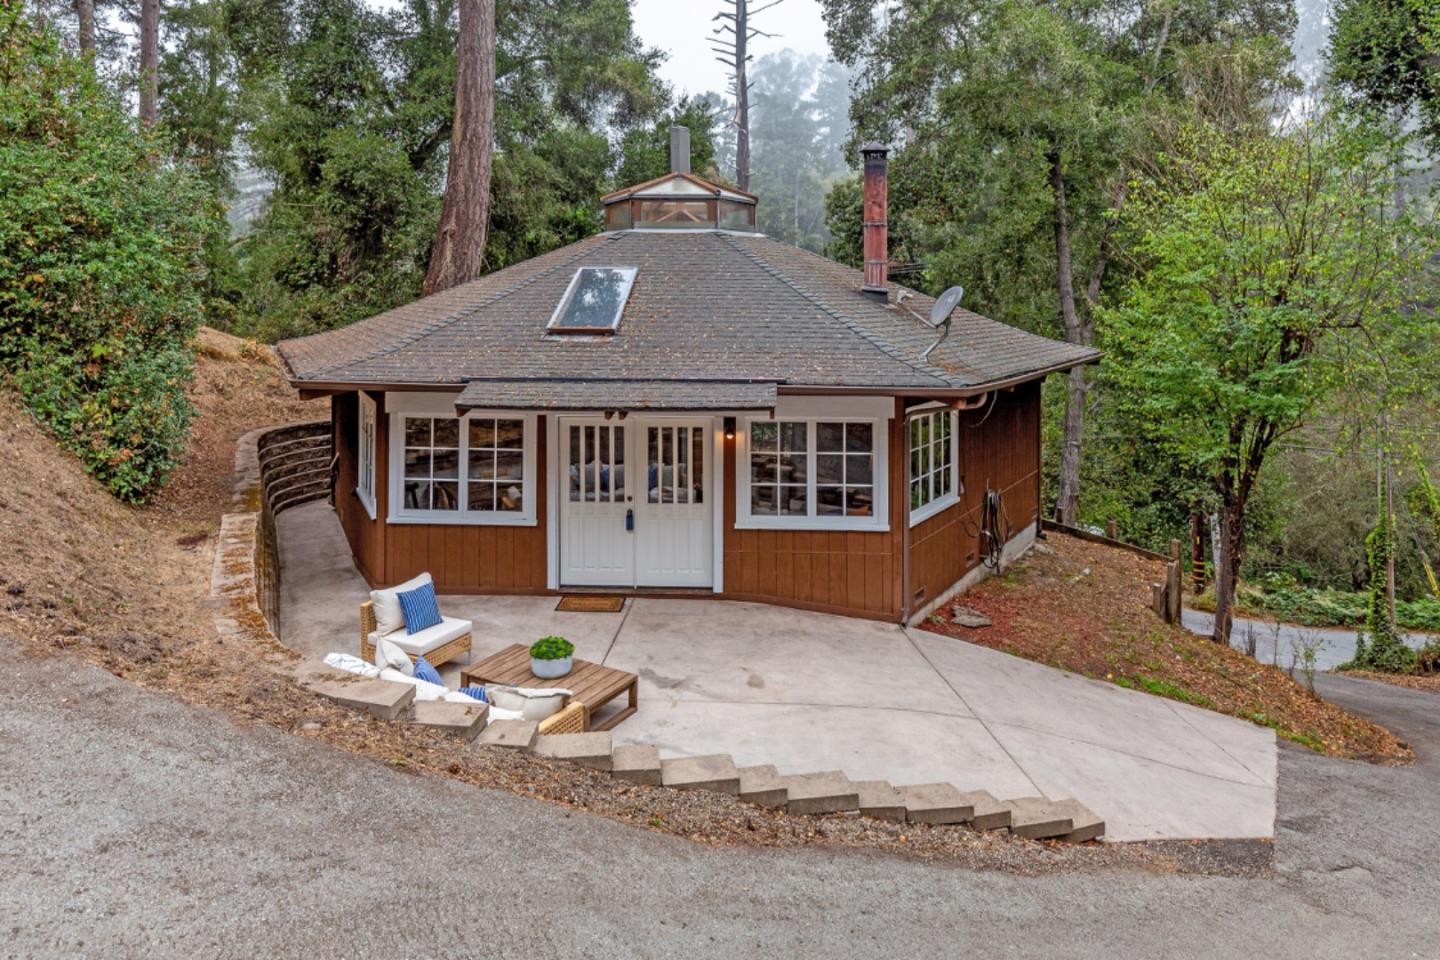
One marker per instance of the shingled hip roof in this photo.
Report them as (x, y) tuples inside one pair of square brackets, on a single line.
[(669, 395), (707, 308)]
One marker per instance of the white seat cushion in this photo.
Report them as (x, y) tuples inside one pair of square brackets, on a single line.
[(419, 644), (534, 703), (424, 690), (386, 604)]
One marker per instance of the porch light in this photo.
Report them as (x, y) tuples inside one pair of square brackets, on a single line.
[(729, 428)]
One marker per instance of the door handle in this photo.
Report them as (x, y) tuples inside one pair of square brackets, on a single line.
[(630, 520)]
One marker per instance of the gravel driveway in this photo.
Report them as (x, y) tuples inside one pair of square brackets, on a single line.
[(135, 826)]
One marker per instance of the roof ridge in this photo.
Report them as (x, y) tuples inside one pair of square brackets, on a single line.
[(854, 326), (443, 322)]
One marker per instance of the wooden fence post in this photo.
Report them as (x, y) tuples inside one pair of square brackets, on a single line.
[(1111, 530)]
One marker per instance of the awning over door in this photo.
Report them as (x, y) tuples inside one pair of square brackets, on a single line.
[(668, 395)]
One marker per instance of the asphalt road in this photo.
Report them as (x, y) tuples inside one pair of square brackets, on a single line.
[(134, 826), (1333, 645)]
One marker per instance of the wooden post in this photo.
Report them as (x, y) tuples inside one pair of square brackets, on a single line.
[(1111, 530), (1175, 550), (1172, 586), (1197, 554)]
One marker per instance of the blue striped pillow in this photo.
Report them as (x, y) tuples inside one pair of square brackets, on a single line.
[(475, 693), (419, 608), (424, 671)]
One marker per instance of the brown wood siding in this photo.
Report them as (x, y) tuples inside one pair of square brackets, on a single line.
[(464, 558), (998, 450), (366, 536), (848, 572)]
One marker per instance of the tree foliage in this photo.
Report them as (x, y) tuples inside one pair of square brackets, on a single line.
[(1386, 53), (1271, 273), (101, 265)]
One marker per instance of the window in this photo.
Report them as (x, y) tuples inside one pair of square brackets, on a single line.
[(593, 301), (813, 474), (475, 469), (933, 481), (675, 213), (737, 216), (365, 455)]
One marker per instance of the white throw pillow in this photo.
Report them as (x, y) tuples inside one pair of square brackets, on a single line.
[(533, 703), (424, 689), (386, 603), (351, 664), (389, 655)]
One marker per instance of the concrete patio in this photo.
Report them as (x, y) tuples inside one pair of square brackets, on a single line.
[(807, 691)]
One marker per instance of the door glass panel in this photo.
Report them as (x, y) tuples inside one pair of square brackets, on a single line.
[(597, 463), (697, 465)]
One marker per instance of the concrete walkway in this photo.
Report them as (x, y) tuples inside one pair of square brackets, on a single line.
[(808, 691), (1335, 645)]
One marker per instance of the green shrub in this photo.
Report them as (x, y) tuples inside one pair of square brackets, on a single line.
[(552, 648), (100, 263)]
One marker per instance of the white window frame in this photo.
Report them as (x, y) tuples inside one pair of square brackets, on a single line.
[(402, 405), (923, 513), (878, 522), (366, 426)]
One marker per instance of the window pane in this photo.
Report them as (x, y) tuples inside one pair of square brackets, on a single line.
[(447, 432), (445, 495), (762, 468), (482, 496), (417, 494), (829, 468), (673, 213), (794, 500), (446, 464), (417, 464), (417, 432), (917, 494), (794, 468), (763, 436), (509, 464), (858, 502), (574, 464), (859, 437), (763, 500), (857, 469), (793, 437), (697, 466), (481, 465), (510, 434), (482, 433), (509, 498), (829, 501), (830, 437)]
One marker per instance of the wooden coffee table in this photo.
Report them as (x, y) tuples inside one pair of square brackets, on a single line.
[(590, 683)]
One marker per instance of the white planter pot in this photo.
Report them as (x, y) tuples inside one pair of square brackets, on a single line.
[(550, 669)]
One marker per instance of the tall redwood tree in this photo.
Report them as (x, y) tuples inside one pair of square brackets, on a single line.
[(460, 242)]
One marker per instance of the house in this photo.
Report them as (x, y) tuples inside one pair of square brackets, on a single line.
[(681, 404)]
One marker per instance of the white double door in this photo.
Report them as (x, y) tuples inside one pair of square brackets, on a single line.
[(635, 502)]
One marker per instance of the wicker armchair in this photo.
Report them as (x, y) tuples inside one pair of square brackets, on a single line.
[(441, 654), (569, 720)]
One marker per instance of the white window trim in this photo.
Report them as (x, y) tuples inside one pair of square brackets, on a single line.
[(401, 405), (365, 471), (921, 514), (879, 522)]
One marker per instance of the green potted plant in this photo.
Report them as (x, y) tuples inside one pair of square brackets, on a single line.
[(551, 657)]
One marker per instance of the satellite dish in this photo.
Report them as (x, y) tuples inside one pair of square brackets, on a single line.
[(945, 305)]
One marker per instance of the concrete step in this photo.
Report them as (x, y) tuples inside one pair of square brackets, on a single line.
[(763, 786), (827, 792), (936, 803), (464, 720), (986, 813), (880, 800), (587, 749), (381, 698), (1084, 824), (638, 763), (515, 734), (1037, 818), (714, 772)]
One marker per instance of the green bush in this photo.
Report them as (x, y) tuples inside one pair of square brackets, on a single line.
[(552, 648), (100, 263)]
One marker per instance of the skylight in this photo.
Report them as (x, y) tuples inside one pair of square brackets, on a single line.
[(594, 300)]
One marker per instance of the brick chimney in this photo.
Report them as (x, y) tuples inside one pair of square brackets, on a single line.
[(679, 149), (876, 218)]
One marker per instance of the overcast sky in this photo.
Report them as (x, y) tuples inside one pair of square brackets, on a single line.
[(681, 29)]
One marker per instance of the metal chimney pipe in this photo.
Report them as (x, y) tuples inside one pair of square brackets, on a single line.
[(876, 220), (679, 149)]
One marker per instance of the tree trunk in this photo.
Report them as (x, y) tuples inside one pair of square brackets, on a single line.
[(742, 97), (1067, 504), (1227, 572), (149, 61), (85, 12), (465, 216)]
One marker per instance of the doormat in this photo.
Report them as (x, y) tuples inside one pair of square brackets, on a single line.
[(590, 603)]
